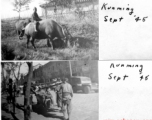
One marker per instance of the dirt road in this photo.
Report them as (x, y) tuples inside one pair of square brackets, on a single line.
[(84, 107)]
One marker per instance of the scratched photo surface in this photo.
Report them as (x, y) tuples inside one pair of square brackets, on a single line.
[(49, 29), (125, 90), (125, 29), (45, 81)]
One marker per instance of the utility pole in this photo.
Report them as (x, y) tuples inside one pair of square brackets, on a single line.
[(70, 69)]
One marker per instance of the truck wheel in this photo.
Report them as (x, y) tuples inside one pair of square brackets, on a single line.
[(74, 89), (86, 89), (96, 91)]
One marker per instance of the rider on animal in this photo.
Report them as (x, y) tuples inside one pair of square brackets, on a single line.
[(46, 29), (35, 18)]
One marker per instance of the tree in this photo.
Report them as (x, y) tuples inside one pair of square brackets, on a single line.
[(6, 73), (3, 77), (19, 4), (64, 3), (16, 68), (27, 108)]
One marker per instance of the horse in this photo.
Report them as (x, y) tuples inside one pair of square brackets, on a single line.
[(46, 29)]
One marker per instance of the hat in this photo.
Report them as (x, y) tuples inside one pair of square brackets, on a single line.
[(65, 79), (34, 8)]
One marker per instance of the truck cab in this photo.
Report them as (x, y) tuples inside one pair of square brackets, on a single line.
[(83, 83)]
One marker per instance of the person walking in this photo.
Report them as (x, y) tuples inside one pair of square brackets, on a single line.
[(10, 96), (67, 95), (59, 94), (14, 97)]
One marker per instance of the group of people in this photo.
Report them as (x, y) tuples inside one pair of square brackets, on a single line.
[(64, 95)]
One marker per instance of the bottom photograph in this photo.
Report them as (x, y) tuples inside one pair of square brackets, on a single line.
[(50, 90)]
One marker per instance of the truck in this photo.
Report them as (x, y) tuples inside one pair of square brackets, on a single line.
[(83, 83)]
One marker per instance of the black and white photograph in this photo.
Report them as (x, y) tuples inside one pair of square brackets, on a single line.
[(52, 90), (76, 60), (49, 29)]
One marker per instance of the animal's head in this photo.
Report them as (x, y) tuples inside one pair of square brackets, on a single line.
[(76, 43), (64, 41), (67, 36)]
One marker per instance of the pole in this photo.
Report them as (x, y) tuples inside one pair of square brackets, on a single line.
[(70, 69), (14, 98)]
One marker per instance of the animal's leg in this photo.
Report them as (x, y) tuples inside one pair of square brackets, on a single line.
[(18, 32), (50, 41), (68, 44), (28, 39), (32, 41)]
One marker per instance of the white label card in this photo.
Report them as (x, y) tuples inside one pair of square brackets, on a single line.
[(125, 29)]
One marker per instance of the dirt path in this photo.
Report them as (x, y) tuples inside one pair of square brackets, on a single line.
[(85, 107)]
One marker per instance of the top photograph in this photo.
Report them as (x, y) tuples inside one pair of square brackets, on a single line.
[(49, 30)]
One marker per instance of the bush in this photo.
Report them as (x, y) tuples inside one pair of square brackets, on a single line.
[(8, 29), (7, 52)]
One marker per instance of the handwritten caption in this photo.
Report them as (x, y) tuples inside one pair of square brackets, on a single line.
[(111, 76), (105, 6)]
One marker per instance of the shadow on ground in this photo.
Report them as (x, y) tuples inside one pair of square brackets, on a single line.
[(5, 108), (46, 113), (36, 108), (19, 106), (5, 118)]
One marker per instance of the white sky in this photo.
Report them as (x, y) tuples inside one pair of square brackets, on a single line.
[(7, 9)]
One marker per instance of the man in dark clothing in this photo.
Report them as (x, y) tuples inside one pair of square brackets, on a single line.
[(67, 95), (10, 92), (24, 88), (35, 18), (59, 96), (59, 93)]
